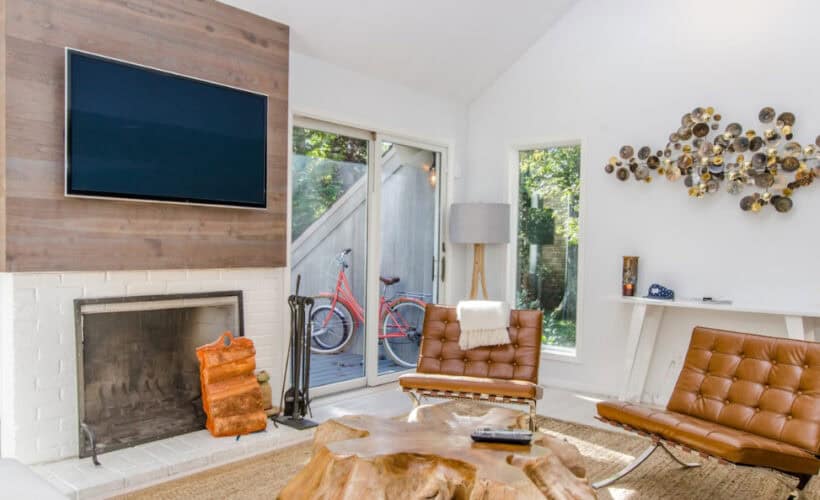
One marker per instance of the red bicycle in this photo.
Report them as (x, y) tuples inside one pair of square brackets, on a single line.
[(337, 315)]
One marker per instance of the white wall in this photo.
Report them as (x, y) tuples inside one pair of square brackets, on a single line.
[(322, 90), (613, 73)]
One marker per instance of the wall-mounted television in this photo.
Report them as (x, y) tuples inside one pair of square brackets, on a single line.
[(140, 133)]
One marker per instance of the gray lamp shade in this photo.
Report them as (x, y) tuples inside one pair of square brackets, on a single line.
[(479, 223)]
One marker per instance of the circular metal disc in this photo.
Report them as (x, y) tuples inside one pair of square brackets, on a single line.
[(688, 181), (764, 180), (759, 161), (700, 130), (786, 118), (756, 143), (685, 133), (734, 129), (766, 115), (641, 172), (790, 164), (644, 152), (653, 162), (622, 174), (771, 135), (782, 203), (741, 144), (627, 152), (793, 148), (746, 203), (609, 168)]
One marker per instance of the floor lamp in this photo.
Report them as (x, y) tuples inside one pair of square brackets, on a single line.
[(479, 224)]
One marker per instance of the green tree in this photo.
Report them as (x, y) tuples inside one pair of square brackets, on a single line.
[(325, 165), (554, 173)]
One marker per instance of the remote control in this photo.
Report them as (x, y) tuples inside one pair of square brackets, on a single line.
[(507, 436)]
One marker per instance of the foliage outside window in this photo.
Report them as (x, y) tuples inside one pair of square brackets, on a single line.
[(325, 166), (547, 270)]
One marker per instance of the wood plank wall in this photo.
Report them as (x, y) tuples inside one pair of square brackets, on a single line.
[(45, 231), (2, 135)]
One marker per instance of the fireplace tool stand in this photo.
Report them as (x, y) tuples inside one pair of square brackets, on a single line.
[(295, 403), (92, 440)]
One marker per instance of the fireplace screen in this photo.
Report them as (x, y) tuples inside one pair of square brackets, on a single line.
[(137, 368)]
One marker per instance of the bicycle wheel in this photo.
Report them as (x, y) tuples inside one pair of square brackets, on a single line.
[(401, 330), (331, 328)]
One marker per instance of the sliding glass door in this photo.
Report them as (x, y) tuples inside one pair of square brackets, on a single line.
[(409, 241), (365, 244), (329, 172)]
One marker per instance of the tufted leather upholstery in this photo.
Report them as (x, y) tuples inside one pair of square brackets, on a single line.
[(748, 399), (506, 370)]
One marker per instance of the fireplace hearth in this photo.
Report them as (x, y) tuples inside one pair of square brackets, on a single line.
[(138, 376)]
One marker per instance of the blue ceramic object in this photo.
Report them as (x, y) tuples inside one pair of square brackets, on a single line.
[(657, 291)]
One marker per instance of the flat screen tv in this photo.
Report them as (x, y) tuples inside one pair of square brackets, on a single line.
[(139, 133)]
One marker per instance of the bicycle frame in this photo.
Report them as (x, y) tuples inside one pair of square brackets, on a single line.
[(343, 293)]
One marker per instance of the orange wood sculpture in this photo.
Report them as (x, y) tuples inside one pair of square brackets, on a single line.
[(230, 392), (432, 456)]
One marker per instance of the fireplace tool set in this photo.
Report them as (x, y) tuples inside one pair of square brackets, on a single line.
[(294, 403)]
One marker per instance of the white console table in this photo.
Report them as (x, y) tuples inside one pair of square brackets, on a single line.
[(646, 320)]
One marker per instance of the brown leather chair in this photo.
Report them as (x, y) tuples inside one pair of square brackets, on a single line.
[(505, 373), (741, 398)]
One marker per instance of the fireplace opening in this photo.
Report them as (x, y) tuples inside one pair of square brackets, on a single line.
[(138, 375)]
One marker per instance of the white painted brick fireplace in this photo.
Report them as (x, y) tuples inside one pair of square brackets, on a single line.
[(38, 373)]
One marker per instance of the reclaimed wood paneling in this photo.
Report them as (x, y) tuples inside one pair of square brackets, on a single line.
[(44, 230), (2, 135)]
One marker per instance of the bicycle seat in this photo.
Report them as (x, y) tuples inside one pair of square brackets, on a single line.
[(389, 280)]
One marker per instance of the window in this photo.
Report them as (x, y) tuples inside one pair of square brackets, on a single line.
[(547, 261)]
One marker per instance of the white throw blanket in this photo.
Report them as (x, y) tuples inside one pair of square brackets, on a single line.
[(483, 323)]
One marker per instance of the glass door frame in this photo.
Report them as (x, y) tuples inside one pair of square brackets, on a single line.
[(373, 258), (356, 133), (374, 248)]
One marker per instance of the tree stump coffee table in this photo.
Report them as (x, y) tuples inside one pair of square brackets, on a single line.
[(432, 456)]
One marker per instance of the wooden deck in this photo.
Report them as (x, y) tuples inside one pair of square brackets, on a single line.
[(333, 368)]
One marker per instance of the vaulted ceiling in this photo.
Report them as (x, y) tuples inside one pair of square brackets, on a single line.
[(450, 48)]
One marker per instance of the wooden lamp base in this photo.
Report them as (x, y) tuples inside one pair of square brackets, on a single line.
[(478, 272)]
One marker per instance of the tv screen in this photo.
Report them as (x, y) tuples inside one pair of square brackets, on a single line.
[(140, 133)]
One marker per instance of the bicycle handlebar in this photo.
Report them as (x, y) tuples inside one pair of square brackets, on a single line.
[(341, 258)]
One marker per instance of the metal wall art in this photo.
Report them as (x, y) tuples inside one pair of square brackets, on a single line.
[(772, 162)]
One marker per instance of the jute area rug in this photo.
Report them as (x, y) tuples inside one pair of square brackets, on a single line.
[(605, 452)]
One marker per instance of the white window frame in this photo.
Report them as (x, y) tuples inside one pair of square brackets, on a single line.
[(551, 353)]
